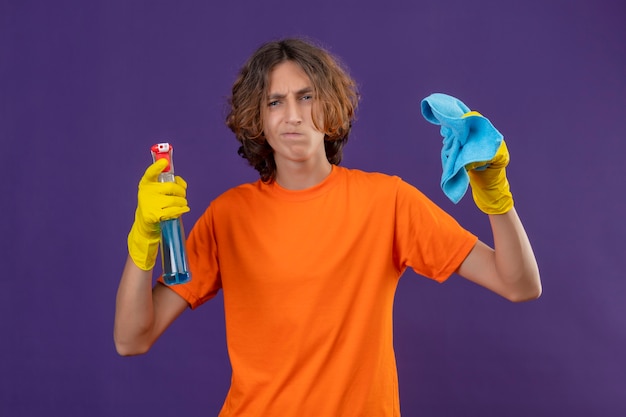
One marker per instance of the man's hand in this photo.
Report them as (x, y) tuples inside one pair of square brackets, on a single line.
[(156, 201), (490, 187)]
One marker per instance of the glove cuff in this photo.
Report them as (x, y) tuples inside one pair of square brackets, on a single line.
[(143, 249), (494, 197)]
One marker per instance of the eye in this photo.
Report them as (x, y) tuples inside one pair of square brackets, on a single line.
[(273, 103), (307, 97)]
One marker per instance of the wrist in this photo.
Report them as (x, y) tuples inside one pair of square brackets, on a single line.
[(491, 193), (143, 247)]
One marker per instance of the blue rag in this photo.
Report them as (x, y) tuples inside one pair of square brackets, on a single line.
[(465, 140)]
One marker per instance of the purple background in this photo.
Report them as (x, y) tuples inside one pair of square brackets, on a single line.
[(87, 86)]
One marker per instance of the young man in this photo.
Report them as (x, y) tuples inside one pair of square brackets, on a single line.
[(309, 256)]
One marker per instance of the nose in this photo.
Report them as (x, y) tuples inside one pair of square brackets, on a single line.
[(293, 114)]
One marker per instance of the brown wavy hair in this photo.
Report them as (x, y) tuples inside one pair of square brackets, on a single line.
[(335, 92)]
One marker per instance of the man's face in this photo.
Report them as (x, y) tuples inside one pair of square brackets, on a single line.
[(288, 117)]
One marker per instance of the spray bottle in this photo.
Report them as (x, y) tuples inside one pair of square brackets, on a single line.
[(173, 253)]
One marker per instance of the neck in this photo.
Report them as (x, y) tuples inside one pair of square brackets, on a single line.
[(299, 176)]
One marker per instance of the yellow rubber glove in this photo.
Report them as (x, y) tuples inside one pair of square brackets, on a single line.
[(156, 201), (490, 187)]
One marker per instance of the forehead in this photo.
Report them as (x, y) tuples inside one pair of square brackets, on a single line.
[(287, 77)]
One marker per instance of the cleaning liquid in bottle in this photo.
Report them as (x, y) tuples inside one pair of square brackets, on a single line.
[(173, 253)]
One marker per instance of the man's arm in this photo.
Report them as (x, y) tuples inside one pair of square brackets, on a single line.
[(142, 313), (511, 269)]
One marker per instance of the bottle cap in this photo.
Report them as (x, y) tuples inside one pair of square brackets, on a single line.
[(163, 151)]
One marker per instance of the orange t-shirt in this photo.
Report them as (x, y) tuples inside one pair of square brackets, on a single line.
[(309, 279)]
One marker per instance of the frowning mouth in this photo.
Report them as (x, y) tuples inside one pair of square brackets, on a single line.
[(293, 135)]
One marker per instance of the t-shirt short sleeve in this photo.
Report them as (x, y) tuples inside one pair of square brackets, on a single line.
[(427, 238), (203, 263)]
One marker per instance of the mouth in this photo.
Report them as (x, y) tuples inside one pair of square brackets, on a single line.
[(291, 135)]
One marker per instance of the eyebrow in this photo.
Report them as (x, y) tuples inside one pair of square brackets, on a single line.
[(277, 96)]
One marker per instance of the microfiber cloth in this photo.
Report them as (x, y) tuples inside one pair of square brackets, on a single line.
[(465, 140)]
